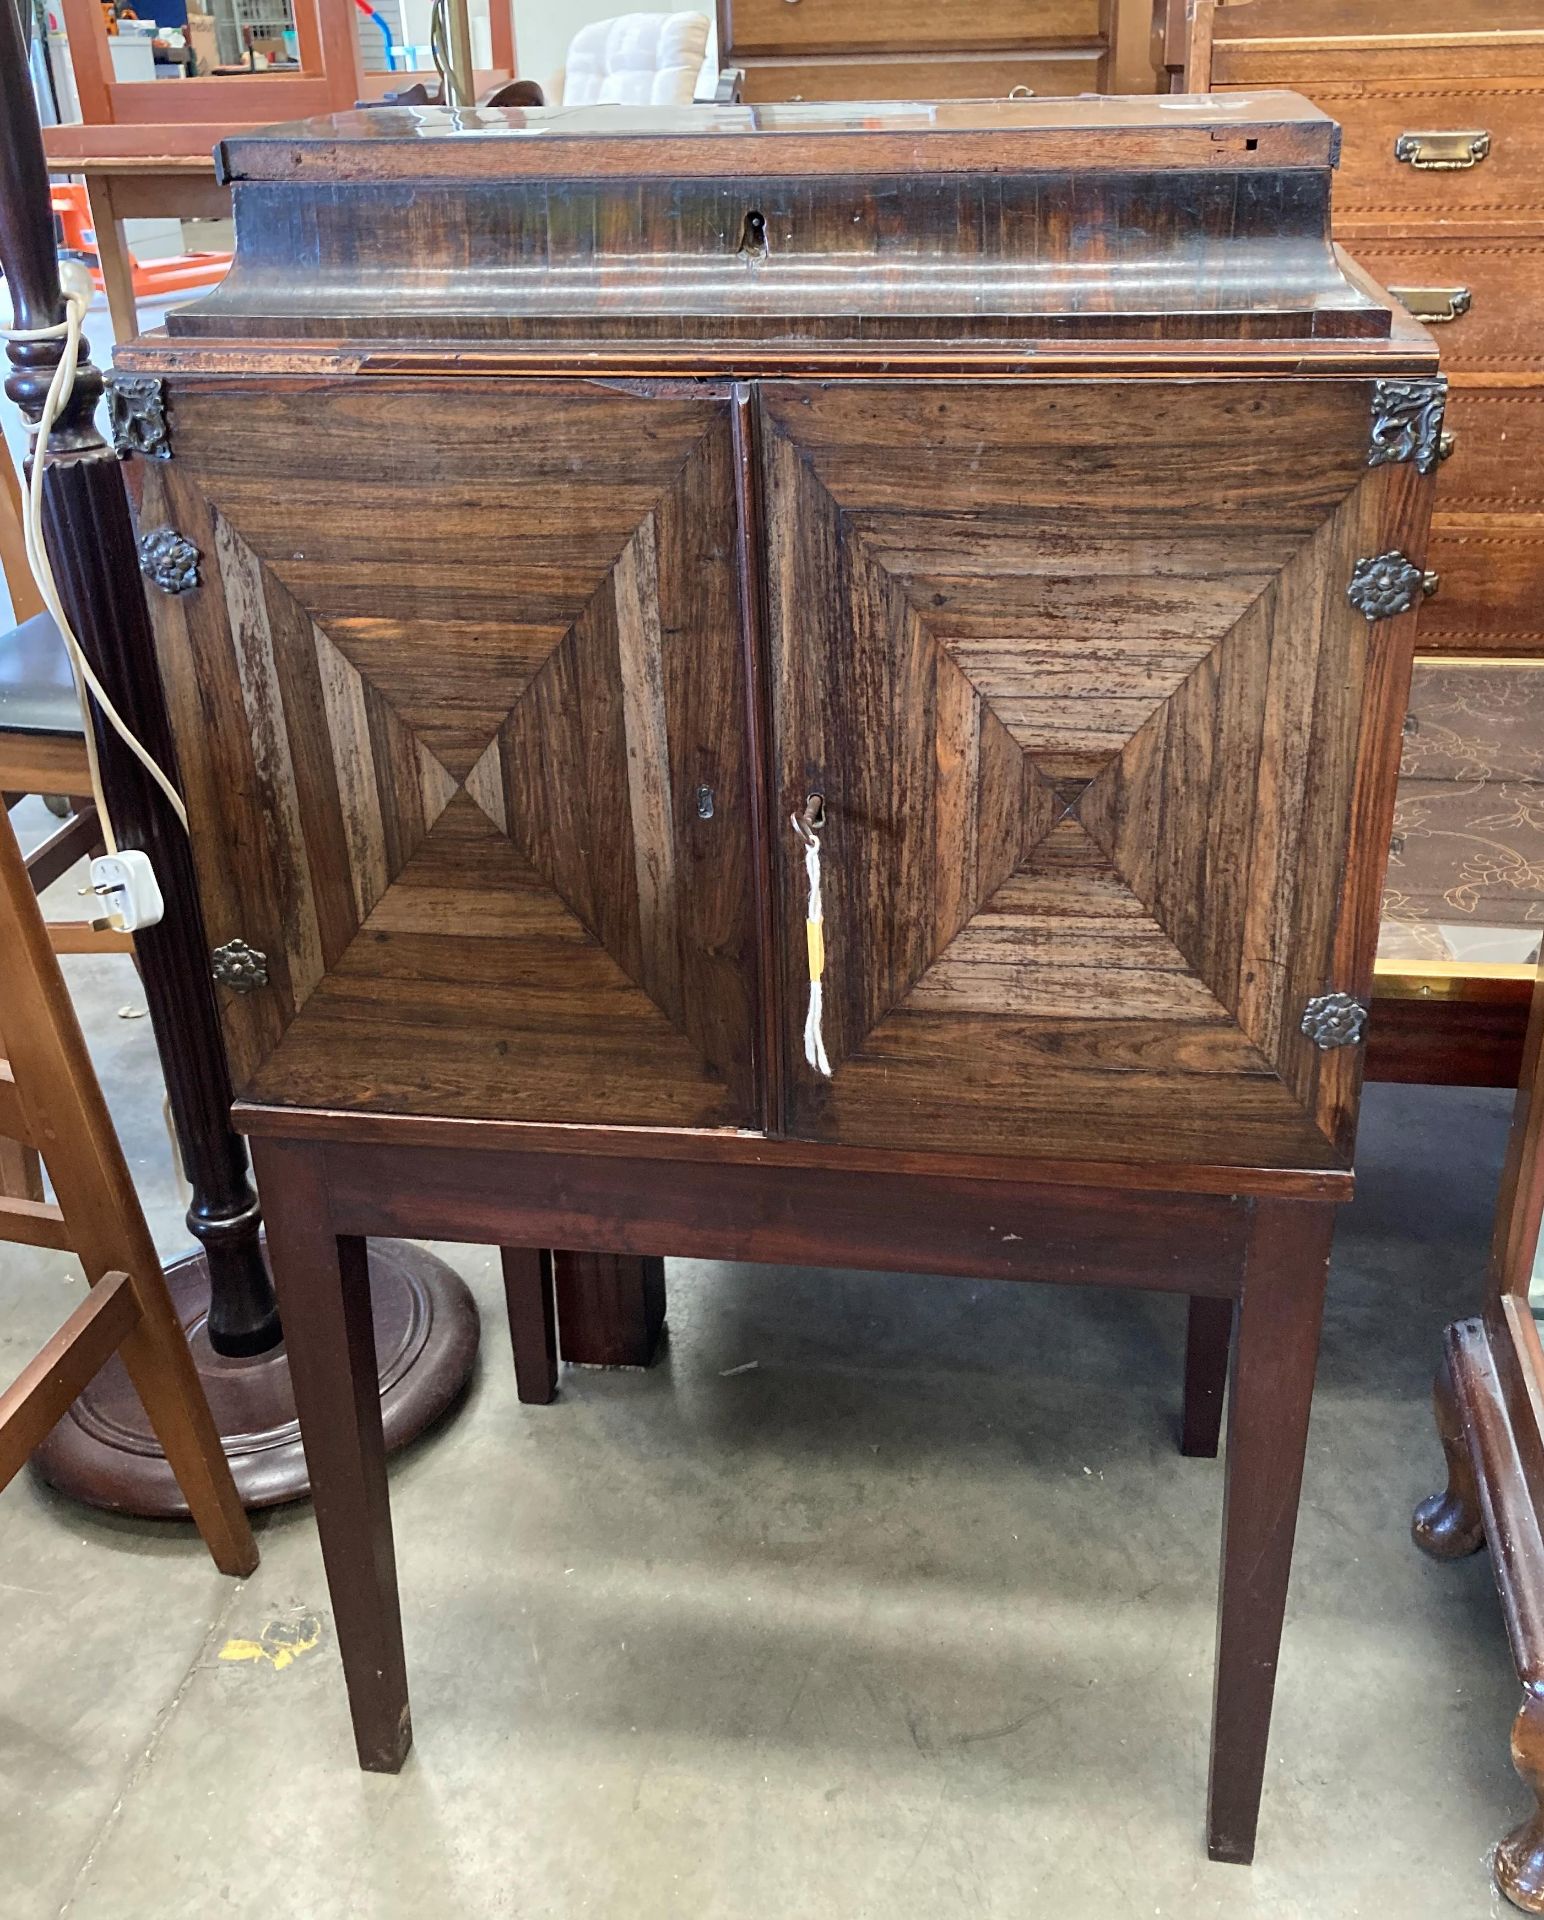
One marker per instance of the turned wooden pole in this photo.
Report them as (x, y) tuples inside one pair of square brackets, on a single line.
[(90, 540)]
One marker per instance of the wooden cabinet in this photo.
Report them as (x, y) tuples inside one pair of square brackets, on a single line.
[(472, 762), (654, 566)]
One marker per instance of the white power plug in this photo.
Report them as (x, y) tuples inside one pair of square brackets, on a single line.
[(75, 277), (127, 887)]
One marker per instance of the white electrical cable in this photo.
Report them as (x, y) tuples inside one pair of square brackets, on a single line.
[(59, 390)]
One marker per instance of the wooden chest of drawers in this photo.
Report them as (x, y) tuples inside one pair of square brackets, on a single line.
[(1440, 195), (909, 50), (796, 683)]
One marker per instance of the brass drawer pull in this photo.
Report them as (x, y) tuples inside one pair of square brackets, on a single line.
[(1435, 305), (1445, 444), (1442, 152)]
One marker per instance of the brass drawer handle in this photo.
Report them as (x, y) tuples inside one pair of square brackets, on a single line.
[(1442, 152), (1446, 443), (1435, 305), (1430, 581)]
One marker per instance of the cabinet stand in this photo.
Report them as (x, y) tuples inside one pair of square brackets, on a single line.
[(1261, 1263)]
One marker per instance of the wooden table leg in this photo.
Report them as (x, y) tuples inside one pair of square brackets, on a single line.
[(324, 1298), (113, 257), (1276, 1345), (1208, 1336), (533, 1329), (611, 1308)]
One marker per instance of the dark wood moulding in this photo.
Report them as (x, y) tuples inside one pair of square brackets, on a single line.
[(1076, 222)]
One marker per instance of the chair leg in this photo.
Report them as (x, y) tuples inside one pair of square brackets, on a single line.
[(533, 1329), (1276, 1347), (156, 1357), (323, 1282), (1208, 1336)]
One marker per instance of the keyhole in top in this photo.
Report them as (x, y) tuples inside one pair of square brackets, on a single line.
[(753, 235)]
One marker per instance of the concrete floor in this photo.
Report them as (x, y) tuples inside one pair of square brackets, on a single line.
[(912, 1617)]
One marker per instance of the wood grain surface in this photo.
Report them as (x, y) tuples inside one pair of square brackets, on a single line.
[(1077, 677), (445, 745), (894, 26), (1083, 693)]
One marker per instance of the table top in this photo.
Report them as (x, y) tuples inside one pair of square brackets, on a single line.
[(148, 149)]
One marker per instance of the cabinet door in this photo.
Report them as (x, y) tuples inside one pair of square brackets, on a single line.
[(460, 705), (1075, 669)]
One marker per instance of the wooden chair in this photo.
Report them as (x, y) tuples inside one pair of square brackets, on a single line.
[(52, 1105)]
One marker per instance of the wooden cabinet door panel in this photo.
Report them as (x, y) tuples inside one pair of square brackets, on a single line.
[(1074, 668), (460, 659)]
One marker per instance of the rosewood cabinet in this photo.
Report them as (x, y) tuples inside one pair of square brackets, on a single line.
[(478, 788), (1022, 505)]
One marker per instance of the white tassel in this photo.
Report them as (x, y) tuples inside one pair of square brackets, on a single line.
[(814, 929)]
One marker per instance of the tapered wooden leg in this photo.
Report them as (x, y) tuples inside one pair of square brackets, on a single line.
[(156, 1357), (324, 1299), (1519, 1861), (113, 258), (1208, 1336), (1449, 1524), (1275, 1347), (611, 1308), (533, 1329)]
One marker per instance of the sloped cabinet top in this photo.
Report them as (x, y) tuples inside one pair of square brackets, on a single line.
[(1010, 222)]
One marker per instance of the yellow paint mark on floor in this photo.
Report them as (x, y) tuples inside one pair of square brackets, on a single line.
[(281, 1643)]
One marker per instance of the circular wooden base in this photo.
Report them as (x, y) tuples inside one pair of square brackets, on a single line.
[(103, 1452)]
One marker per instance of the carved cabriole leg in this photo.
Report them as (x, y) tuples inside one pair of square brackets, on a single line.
[(1449, 1524), (324, 1294), (1519, 1861), (1275, 1350), (1208, 1336)]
